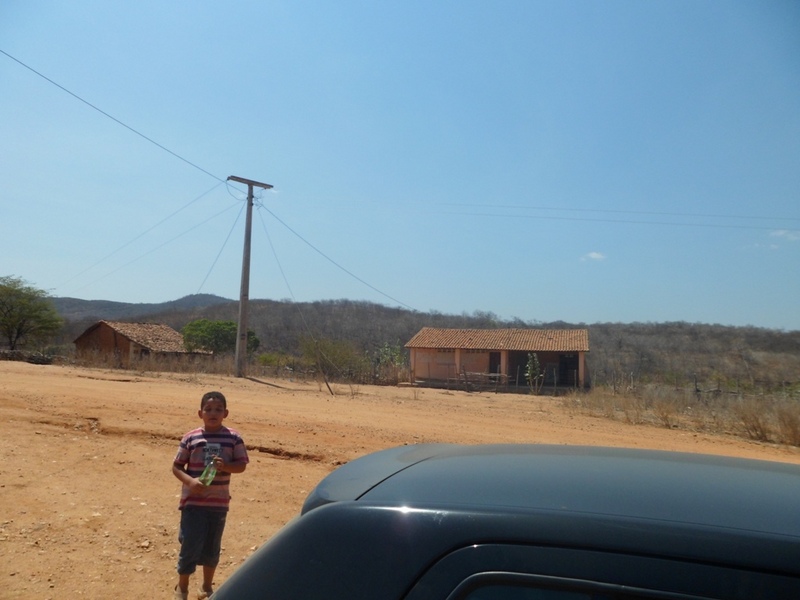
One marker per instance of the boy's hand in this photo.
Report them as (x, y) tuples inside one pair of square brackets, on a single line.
[(195, 486)]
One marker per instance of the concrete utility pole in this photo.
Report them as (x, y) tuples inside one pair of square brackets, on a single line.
[(244, 293)]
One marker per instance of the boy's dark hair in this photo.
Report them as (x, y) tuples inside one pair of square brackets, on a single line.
[(213, 396)]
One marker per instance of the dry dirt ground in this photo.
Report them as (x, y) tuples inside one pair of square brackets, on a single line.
[(89, 505)]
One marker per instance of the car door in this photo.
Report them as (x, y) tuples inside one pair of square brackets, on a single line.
[(518, 572)]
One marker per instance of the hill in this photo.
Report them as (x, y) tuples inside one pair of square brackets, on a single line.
[(75, 309), (676, 353)]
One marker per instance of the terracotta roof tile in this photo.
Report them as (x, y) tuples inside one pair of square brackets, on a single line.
[(153, 336), (530, 340)]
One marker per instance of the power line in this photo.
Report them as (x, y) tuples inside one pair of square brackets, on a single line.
[(277, 260), (126, 244), (225, 243), (180, 235), (104, 113), (155, 143), (320, 353), (628, 212), (333, 262), (621, 221)]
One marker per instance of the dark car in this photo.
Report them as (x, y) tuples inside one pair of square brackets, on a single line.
[(525, 522)]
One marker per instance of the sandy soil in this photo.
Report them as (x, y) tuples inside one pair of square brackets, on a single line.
[(89, 505)]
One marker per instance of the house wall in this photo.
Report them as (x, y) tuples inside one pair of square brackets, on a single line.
[(475, 361), (104, 340), (441, 364), (430, 363)]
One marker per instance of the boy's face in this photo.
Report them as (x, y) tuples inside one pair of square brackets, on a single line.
[(212, 413)]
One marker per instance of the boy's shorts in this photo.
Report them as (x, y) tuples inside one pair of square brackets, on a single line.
[(200, 536)]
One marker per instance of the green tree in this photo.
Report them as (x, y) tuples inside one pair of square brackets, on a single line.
[(27, 316), (389, 361), (534, 373), (218, 337)]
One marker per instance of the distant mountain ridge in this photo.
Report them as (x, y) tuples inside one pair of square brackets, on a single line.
[(75, 309), (673, 351)]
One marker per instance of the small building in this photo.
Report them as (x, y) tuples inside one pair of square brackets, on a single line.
[(499, 355), (128, 342)]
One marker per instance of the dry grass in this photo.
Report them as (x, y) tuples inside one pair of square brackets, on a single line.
[(754, 416), (788, 419), (773, 418)]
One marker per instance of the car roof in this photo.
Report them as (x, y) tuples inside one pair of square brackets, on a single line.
[(631, 484), (403, 521)]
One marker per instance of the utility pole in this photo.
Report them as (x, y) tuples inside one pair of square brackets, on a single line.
[(244, 292)]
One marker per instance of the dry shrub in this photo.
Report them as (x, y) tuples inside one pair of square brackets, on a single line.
[(156, 363), (666, 411), (573, 401), (634, 409), (666, 405), (754, 416), (762, 418), (604, 402), (713, 418), (788, 417), (601, 402)]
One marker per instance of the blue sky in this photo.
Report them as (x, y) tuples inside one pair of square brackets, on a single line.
[(616, 161)]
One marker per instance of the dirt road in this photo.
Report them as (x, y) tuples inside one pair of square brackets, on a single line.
[(90, 505)]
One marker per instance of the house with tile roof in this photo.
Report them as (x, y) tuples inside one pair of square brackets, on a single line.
[(127, 342), (498, 355)]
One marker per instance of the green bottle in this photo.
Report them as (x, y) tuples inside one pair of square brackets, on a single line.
[(208, 473)]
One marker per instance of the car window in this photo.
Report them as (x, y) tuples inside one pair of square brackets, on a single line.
[(528, 592), (519, 572), (515, 592), (515, 586)]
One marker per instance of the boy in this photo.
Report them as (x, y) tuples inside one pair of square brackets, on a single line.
[(204, 508)]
